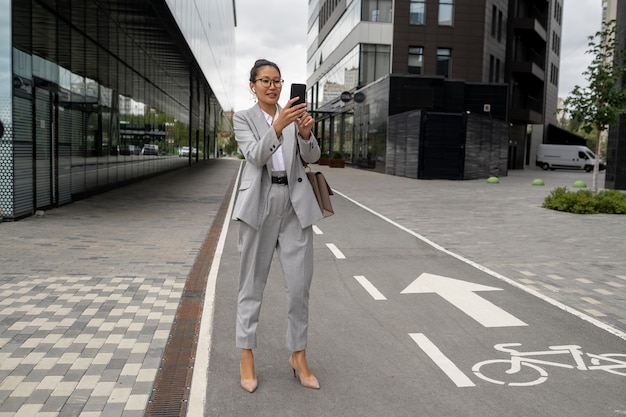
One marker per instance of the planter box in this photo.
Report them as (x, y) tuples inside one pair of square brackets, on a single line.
[(336, 163), (323, 160)]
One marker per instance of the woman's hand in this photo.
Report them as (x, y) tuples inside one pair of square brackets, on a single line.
[(297, 114), (305, 124)]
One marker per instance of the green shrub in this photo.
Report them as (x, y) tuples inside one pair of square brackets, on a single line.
[(584, 202), (611, 202)]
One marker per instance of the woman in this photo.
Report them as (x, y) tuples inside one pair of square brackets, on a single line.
[(276, 208)]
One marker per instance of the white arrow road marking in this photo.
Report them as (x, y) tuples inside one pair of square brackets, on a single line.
[(446, 365), (461, 295), (317, 230), (335, 251), (376, 295)]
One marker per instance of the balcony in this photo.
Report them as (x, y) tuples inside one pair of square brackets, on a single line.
[(525, 116), (531, 15), (525, 108), (526, 69)]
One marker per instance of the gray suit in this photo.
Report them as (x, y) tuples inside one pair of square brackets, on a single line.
[(274, 218)]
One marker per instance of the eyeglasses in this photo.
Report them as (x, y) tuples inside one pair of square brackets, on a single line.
[(266, 82)]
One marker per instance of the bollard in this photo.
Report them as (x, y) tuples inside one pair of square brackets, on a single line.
[(493, 180), (580, 184), (537, 181)]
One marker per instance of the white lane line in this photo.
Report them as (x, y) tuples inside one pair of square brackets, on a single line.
[(447, 366), (200, 376), (369, 287), (613, 330), (335, 251), (317, 230)]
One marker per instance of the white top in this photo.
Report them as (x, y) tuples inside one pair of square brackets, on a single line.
[(278, 162)]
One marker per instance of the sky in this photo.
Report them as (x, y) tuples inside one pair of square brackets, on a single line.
[(276, 30)]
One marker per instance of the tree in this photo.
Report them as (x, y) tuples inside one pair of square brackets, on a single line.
[(600, 103)]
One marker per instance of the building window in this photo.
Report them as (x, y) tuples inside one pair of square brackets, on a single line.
[(417, 12), (496, 23), (376, 11), (558, 11), (494, 69), (375, 62), (446, 12), (416, 59), (556, 43), (554, 74), (444, 61), (497, 70)]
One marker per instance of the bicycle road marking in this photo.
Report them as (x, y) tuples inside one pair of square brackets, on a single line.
[(608, 362), (446, 365)]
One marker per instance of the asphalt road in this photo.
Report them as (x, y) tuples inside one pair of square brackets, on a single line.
[(401, 327)]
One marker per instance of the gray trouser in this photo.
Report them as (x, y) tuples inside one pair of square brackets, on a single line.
[(280, 230)]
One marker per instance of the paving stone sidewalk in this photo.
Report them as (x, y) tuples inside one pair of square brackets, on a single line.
[(89, 292)]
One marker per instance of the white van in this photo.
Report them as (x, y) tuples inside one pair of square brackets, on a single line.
[(566, 156)]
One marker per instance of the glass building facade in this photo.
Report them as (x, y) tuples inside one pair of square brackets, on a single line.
[(94, 94)]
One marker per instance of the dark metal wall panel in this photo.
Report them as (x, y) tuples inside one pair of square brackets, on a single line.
[(486, 147), (22, 157), (65, 156), (76, 126), (43, 150), (393, 135), (616, 156), (442, 146), (413, 127), (403, 144)]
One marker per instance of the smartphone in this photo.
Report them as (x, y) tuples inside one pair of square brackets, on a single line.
[(298, 90)]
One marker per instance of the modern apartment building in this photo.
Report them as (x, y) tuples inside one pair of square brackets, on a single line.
[(94, 94), (465, 84)]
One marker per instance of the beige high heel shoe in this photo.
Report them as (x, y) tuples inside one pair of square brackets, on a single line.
[(249, 385), (310, 382)]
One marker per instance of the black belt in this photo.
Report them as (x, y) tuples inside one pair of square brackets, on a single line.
[(279, 180)]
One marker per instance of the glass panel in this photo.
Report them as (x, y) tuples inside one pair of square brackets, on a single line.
[(376, 11), (5, 55), (416, 59), (6, 106), (417, 12), (374, 62), (348, 136), (446, 12), (444, 58)]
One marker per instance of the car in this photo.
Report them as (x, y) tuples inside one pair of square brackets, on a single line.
[(150, 150), (551, 156), (184, 151)]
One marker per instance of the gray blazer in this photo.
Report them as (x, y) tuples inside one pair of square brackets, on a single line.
[(257, 140)]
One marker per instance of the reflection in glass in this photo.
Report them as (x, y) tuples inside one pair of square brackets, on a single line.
[(417, 12), (107, 94), (444, 59), (5, 49), (446, 12)]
